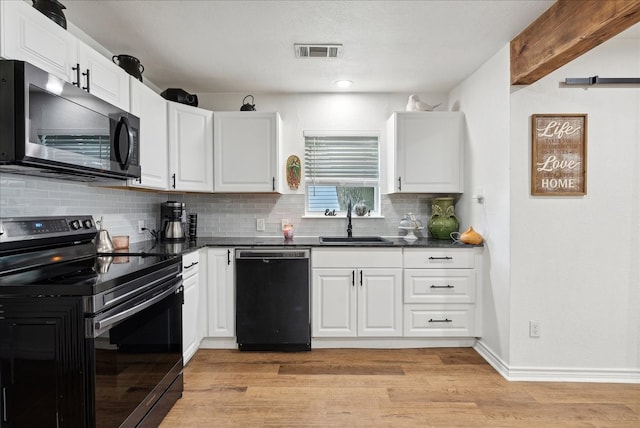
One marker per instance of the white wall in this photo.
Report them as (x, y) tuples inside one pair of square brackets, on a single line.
[(484, 99), (574, 263)]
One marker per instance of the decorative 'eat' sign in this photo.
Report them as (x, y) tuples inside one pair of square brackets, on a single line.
[(559, 154)]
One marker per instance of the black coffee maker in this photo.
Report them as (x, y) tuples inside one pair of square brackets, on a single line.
[(173, 220)]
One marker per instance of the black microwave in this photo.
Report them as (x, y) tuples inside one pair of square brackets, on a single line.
[(51, 128)]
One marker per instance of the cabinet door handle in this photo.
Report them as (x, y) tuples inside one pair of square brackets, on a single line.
[(442, 286), (173, 176), (444, 320), (360, 278), (77, 70), (441, 258), (353, 278), (399, 184), (228, 257), (4, 404), (86, 88), (274, 184)]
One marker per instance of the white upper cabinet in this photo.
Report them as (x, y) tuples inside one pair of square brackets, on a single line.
[(102, 77), (28, 35), (247, 152), (151, 108), (425, 152), (190, 148)]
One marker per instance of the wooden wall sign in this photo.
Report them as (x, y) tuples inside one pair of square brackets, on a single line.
[(559, 154)]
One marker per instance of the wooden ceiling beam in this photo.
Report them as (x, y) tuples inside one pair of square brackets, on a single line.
[(565, 31)]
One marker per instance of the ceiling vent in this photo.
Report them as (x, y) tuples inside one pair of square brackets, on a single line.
[(317, 51)]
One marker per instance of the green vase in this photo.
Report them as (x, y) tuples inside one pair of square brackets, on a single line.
[(443, 219)]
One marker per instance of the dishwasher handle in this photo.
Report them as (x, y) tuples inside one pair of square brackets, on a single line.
[(242, 254)]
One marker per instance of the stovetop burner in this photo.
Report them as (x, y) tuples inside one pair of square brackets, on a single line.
[(55, 256)]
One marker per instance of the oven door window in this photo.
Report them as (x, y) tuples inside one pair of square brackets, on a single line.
[(133, 357)]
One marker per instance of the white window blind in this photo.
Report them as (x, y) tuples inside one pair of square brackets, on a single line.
[(342, 159)]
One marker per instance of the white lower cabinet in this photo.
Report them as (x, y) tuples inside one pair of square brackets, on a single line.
[(190, 322), (440, 292), (356, 292), (220, 292), (439, 320)]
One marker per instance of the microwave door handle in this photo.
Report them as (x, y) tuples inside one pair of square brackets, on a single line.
[(126, 159)]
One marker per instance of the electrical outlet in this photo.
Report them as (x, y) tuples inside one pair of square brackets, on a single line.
[(534, 328), (260, 224), (283, 222), (140, 226)]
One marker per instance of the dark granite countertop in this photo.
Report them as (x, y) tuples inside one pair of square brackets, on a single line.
[(178, 248)]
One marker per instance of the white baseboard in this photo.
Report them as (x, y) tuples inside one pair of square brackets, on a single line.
[(391, 342), (555, 374), (353, 342), (218, 343)]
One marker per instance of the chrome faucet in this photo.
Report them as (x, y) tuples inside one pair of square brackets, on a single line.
[(349, 226)]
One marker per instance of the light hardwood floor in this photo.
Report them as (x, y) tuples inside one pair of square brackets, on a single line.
[(442, 387)]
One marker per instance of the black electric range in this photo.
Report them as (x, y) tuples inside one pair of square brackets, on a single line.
[(74, 323)]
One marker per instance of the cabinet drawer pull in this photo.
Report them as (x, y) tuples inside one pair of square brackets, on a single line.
[(444, 320), (190, 266), (360, 278), (353, 278), (442, 286), (228, 257), (441, 258)]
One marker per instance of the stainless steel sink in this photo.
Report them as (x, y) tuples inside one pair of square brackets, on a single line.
[(355, 240)]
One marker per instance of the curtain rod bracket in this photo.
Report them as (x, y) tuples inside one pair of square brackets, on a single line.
[(595, 80)]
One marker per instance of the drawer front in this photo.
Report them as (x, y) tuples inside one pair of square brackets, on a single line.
[(439, 321), (190, 264), (438, 259), (439, 286), (356, 258)]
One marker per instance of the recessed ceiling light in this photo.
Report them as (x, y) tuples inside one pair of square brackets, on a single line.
[(343, 83)]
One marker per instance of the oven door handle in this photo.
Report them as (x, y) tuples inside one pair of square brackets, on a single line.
[(102, 325)]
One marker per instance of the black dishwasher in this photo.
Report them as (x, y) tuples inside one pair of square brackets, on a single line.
[(272, 299)]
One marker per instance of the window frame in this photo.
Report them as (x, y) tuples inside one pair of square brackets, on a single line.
[(345, 182)]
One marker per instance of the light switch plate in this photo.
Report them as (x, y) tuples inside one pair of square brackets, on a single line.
[(260, 224)]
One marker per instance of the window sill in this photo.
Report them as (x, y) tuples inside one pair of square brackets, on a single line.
[(342, 217)]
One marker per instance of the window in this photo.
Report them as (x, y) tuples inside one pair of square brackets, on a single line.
[(341, 168)]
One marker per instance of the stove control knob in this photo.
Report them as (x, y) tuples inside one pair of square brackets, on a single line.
[(88, 224), (75, 224)]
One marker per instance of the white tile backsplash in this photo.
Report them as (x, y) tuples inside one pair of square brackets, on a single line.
[(24, 196), (218, 214)]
